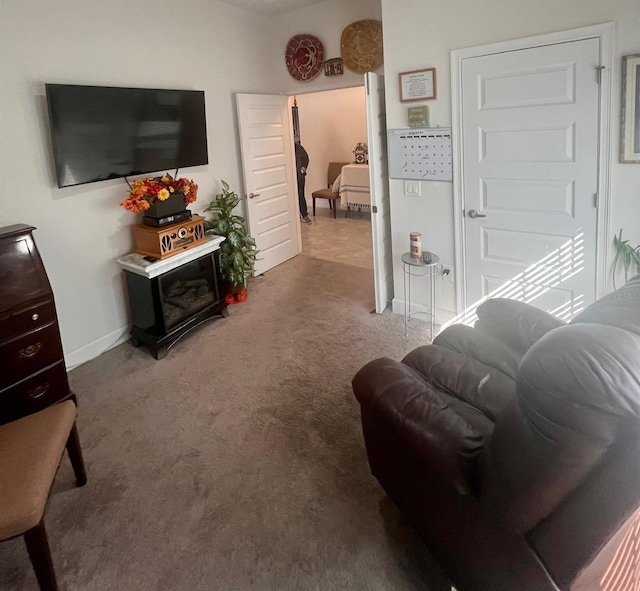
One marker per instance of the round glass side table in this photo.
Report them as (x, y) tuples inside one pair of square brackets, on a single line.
[(417, 267)]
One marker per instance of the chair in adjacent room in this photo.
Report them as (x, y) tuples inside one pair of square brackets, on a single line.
[(329, 193), (30, 452)]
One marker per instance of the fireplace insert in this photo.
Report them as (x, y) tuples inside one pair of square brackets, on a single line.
[(166, 306)]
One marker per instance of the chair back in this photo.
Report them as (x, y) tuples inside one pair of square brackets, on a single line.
[(573, 437), (335, 168)]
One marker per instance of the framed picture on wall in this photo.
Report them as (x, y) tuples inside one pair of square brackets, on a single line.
[(630, 133), (333, 67), (418, 85)]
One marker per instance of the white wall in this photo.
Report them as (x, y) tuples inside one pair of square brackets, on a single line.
[(331, 124), (421, 33), (195, 44), (192, 44), (222, 50), (326, 21)]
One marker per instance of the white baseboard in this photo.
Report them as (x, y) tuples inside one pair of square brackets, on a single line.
[(99, 346)]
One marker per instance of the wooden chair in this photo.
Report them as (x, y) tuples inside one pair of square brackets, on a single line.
[(335, 168), (30, 452)]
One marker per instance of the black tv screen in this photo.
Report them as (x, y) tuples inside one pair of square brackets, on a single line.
[(104, 133)]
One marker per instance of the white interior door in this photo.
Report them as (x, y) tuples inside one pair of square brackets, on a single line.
[(530, 121), (379, 185), (267, 159)]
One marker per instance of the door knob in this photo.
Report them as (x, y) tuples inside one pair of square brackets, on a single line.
[(473, 214), (252, 195)]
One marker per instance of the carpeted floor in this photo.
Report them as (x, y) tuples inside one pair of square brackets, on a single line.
[(236, 462)]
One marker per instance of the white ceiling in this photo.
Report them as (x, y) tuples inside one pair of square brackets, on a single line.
[(271, 7)]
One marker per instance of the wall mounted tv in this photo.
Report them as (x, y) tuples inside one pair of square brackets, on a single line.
[(104, 133)]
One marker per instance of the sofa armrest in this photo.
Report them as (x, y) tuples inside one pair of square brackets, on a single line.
[(473, 383), (427, 425), (515, 323)]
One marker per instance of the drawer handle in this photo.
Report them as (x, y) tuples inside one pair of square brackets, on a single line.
[(35, 316), (39, 391), (30, 351)]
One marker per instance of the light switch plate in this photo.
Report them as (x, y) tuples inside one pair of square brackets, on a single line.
[(412, 188)]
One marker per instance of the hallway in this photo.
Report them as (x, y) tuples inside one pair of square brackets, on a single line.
[(343, 240)]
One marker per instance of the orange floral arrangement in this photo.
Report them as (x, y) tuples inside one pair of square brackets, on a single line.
[(145, 191)]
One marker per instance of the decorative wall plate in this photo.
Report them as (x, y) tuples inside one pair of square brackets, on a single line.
[(361, 46), (304, 56)]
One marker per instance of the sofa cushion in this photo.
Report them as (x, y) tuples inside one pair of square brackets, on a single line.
[(481, 346), (515, 323), (619, 308)]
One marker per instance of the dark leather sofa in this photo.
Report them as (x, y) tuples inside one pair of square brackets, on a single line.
[(514, 446)]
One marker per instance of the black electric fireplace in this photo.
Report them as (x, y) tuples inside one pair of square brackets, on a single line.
[(166, 307)]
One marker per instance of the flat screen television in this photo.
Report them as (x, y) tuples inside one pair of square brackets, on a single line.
[(104, 133)]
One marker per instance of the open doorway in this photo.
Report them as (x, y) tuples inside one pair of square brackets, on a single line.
[(331, 124)]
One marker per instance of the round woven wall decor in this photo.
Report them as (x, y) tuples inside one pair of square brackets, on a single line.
[(304, 56), (361, 46)]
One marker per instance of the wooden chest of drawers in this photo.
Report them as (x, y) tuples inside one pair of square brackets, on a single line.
[(33, 374)]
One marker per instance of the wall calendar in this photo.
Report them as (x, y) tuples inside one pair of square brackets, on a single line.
[(420, 154)]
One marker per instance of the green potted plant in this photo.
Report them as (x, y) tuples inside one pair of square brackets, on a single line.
[(625, 254), (238, 251)]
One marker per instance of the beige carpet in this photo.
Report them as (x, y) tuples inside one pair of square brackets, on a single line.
[(236, 462)]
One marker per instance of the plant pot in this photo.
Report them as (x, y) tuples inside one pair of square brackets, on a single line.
[(235, 294), (160, 209)]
